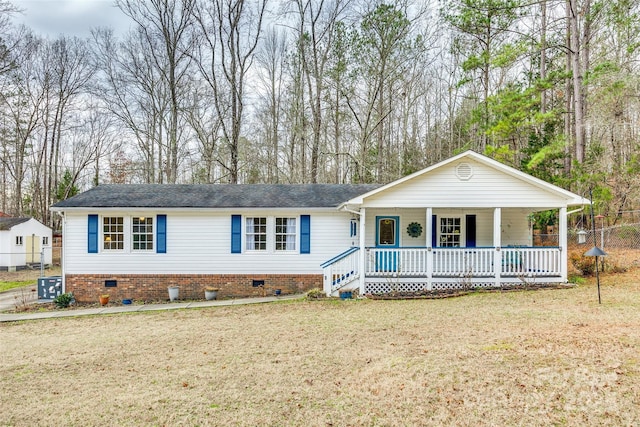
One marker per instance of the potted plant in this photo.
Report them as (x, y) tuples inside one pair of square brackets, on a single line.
[(210, 293), (104, 299)]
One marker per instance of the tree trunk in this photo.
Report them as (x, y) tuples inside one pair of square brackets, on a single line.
[(577, 77)]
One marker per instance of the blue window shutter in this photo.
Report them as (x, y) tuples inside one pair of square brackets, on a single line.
[(470, 231), (161, 234), (92, 234), (434, 231), (236, 234), (305, 234)]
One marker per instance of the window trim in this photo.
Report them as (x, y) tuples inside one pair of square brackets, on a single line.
[(461, 235), (396, 231), (149, 234), (19, 240), (295, 234), (45, 240), (271, 244), (103, 234), (266, 234)]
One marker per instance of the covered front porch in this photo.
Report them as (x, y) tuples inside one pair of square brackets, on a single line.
[(441, 269), (437, 249), (463, 223)]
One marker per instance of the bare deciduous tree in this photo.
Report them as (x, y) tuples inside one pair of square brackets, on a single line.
[(166, 28), (230, 30)]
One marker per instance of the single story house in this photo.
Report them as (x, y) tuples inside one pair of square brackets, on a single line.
[(23, 242), (464, 222)]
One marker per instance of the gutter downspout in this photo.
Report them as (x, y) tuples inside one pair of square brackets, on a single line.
[(575, 210), (351, 211), (62, 266)]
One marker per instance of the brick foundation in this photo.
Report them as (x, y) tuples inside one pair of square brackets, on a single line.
[(153, 287)]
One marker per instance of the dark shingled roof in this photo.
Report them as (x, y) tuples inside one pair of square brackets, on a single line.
[(6, 223), (216, 196)]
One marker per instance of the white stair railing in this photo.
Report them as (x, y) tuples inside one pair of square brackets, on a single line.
[(341, 270)]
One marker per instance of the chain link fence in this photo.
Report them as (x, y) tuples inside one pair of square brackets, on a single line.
[(620, 242), (625, 236), (26, 260)]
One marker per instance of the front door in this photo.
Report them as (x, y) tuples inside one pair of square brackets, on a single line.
[(387, 238)]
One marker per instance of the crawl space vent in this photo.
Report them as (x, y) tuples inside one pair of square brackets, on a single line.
[(464, 171)]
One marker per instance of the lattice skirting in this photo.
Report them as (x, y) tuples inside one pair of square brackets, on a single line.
[(386, 287)]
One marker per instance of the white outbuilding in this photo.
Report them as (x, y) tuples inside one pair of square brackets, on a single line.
[(24, 242)]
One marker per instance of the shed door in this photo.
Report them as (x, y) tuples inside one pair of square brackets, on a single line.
[(32, 249)]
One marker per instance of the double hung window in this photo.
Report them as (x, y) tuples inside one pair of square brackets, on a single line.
[(142, 233), (271, 234), (256, 234), (285, 234), (113, 233)]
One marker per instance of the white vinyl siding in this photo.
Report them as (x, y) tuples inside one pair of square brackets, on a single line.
[(198, 243), (486, 188), (515, 230)]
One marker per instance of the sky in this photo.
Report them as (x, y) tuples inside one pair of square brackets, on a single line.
[(70, 17)]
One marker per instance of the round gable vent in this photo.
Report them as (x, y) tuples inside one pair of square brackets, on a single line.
[(464, 171)]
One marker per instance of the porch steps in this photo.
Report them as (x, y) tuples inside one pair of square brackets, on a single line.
[(341, 281), (341, 271)]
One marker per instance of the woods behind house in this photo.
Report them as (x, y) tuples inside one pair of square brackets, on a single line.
[(310, 91)]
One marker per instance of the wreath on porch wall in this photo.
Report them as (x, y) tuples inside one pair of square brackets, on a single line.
[(414, 229)]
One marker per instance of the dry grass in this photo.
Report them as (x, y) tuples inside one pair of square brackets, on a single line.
[(550, 357)]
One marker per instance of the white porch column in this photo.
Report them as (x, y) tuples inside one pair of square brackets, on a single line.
[(429, 237), (497, 243), (562, 242), (362, 254)]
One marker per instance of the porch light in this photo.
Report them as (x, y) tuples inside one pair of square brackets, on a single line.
[(582, 237)]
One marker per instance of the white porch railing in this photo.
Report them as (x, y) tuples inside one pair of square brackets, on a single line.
[(456, 262), (439, 266), (341, 270), (463, 262), (531, 262)]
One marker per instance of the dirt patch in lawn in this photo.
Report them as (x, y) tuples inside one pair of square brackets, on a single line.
[(28, 274), (545, 357)]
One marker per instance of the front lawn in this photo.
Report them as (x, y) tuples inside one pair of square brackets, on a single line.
[(546, 357), (5, 286), (16, 279)]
